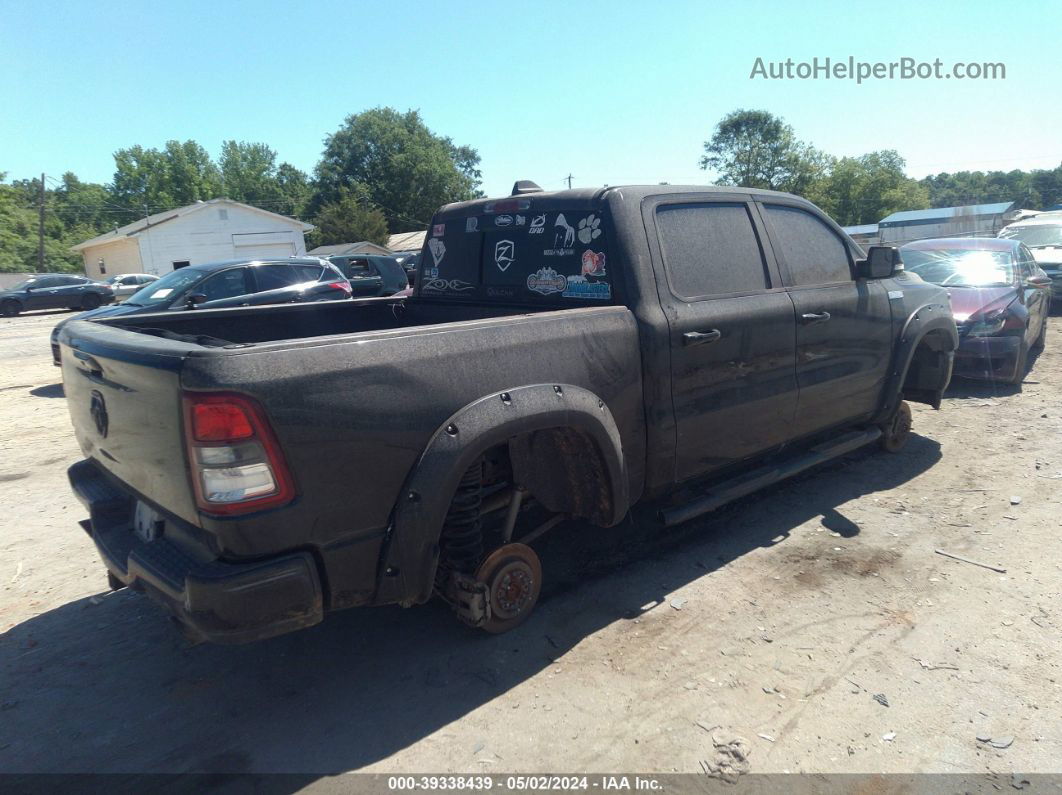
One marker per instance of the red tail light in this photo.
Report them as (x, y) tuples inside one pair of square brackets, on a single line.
[(235, 462), (344, 286), (219, 421)]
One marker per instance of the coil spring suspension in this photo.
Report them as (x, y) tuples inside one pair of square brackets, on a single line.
[(461, 542)]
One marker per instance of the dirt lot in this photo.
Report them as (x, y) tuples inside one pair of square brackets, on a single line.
[(779, 619)]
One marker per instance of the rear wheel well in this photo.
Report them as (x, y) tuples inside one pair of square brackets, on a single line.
[(565, 471)]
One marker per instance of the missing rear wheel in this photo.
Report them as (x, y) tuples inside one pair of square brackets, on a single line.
[(513, 576)]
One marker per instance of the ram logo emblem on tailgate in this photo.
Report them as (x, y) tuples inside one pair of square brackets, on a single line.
[(98, 410)]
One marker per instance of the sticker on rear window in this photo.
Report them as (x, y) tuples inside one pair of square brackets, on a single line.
[(579, 287), (546, 281), (588, 228), (438, 250), (594, 263), (504, 254)]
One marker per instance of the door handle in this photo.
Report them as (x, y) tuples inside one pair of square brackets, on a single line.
[(701, 337), (814, 317)]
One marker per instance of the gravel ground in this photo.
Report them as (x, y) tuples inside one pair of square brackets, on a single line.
[(814, 620)]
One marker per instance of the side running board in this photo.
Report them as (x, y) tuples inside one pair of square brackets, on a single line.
[(730, 490)]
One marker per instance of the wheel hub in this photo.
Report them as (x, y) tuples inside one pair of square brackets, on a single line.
[(512, 590)]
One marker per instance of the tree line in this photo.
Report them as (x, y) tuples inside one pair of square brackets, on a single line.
[(755, 149), (384, 172), (381, 172)]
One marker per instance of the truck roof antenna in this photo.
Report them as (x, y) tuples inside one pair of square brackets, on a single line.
[(523, 186)]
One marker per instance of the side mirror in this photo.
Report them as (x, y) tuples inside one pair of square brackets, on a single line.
[(881, 263), (194, 299), (1038, 281)]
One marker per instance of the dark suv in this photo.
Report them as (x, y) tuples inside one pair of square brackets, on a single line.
[(231, 283), (371, 274), (54, 291)]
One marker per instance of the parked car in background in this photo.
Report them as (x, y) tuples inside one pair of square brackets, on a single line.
[(410, 261), (254, 469), (1042, 235), (54, 291), (125, 284), (231, 283), (999, 296), (371, 274)]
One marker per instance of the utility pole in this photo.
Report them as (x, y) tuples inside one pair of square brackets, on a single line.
[(40, 229), (569, 179)]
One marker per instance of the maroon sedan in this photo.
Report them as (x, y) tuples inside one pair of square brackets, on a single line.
[(1000, 298)]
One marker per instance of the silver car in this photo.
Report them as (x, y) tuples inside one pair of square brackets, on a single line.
[(125, 284)]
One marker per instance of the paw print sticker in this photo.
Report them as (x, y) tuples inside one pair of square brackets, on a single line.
[(588, 228)]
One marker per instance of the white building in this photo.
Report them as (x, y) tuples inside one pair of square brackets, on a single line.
[(211, 231)]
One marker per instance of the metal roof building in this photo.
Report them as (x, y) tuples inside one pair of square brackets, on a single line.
[(364, 247), (972, 220), (406, 241), (863, 234)]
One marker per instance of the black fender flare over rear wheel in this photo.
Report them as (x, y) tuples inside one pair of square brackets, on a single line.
[(412, 551)]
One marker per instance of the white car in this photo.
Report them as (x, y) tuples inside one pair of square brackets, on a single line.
[(1042, 234), (125, 284)]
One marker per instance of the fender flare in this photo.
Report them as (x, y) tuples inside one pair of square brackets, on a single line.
[(928, 318), (412, 547)]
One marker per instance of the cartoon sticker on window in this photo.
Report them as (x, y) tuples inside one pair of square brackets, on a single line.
[(594, 263)]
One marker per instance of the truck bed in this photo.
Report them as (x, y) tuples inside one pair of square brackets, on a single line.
[(353, 390), (255, 325)]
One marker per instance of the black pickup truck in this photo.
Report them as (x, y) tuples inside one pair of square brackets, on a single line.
[(565, 355)]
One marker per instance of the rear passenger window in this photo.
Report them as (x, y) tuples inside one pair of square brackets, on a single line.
[(813, 252), (308, 273), (274, 277), (227, 284), (710, 249)]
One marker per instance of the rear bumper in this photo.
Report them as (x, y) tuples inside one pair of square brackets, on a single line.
[(992, 358), (216, 601)]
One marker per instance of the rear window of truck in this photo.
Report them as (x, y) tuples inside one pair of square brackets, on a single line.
[(531, 256)]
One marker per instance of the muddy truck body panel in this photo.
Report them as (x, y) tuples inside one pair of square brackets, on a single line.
[(564, 355)]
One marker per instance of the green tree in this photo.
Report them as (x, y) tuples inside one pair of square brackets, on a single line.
[(180, 174), (396, 162), (294, 188), (755, 149), (864, 189), (348, 220), (17, 230), (249, 172)]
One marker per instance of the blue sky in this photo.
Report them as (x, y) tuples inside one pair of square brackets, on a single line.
[(610, 92)]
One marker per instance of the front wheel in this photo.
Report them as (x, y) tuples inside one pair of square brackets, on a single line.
[(1041, 339), (513, 576), (91, 301), (894, 432), (10, 308), (1019, 369)]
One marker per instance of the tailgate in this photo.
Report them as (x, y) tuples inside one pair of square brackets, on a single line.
[(124, 396)]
